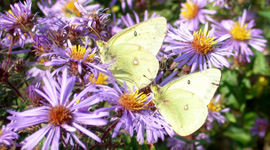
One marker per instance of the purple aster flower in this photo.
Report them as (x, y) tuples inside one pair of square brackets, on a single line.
[(51, 24), (7, 136), (59, 31), (17, 43), (216, 112), (91, 23), (65, 8), (192, 13), (241, 36), (77, 59), (123, 4), (260, 127), (200, 50), (137, 113), (59, 113), (42, 44), (18, 21), (18, 18)]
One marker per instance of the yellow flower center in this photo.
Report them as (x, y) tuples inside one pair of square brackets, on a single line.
[(214, 107), (59, 115), (240, 32), (102, 79), (202, 43), (78, 53), (133, 101), (190, 11), (70, 10)]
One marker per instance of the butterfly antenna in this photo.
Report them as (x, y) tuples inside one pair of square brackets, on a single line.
[(147, 77), (95, 33)]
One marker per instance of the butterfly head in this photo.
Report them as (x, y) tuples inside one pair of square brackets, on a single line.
[(101, 45), (155, 89), (103, 48)]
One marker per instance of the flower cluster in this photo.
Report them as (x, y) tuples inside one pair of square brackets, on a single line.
[(241, 36), (59, 113)]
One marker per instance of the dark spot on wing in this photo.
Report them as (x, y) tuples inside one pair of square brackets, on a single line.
[(135, 33), (188, 81)]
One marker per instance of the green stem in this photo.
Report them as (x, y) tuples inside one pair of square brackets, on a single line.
[(106, 133), (16, 91), (9, 52)]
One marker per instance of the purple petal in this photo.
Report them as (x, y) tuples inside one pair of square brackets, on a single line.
[(31, 141), (56, 137), (87, 132)]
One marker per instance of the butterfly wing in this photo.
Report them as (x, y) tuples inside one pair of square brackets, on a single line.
[(203, 84), (183, 110), (148, 34), (132, 64)]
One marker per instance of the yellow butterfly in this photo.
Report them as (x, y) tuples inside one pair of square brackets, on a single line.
[(134, 51), (183, 102)]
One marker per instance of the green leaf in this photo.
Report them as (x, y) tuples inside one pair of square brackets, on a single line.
[(249, 120), (246, 82), (238, 134), (230, 116), (264, 13), (260, 64)]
